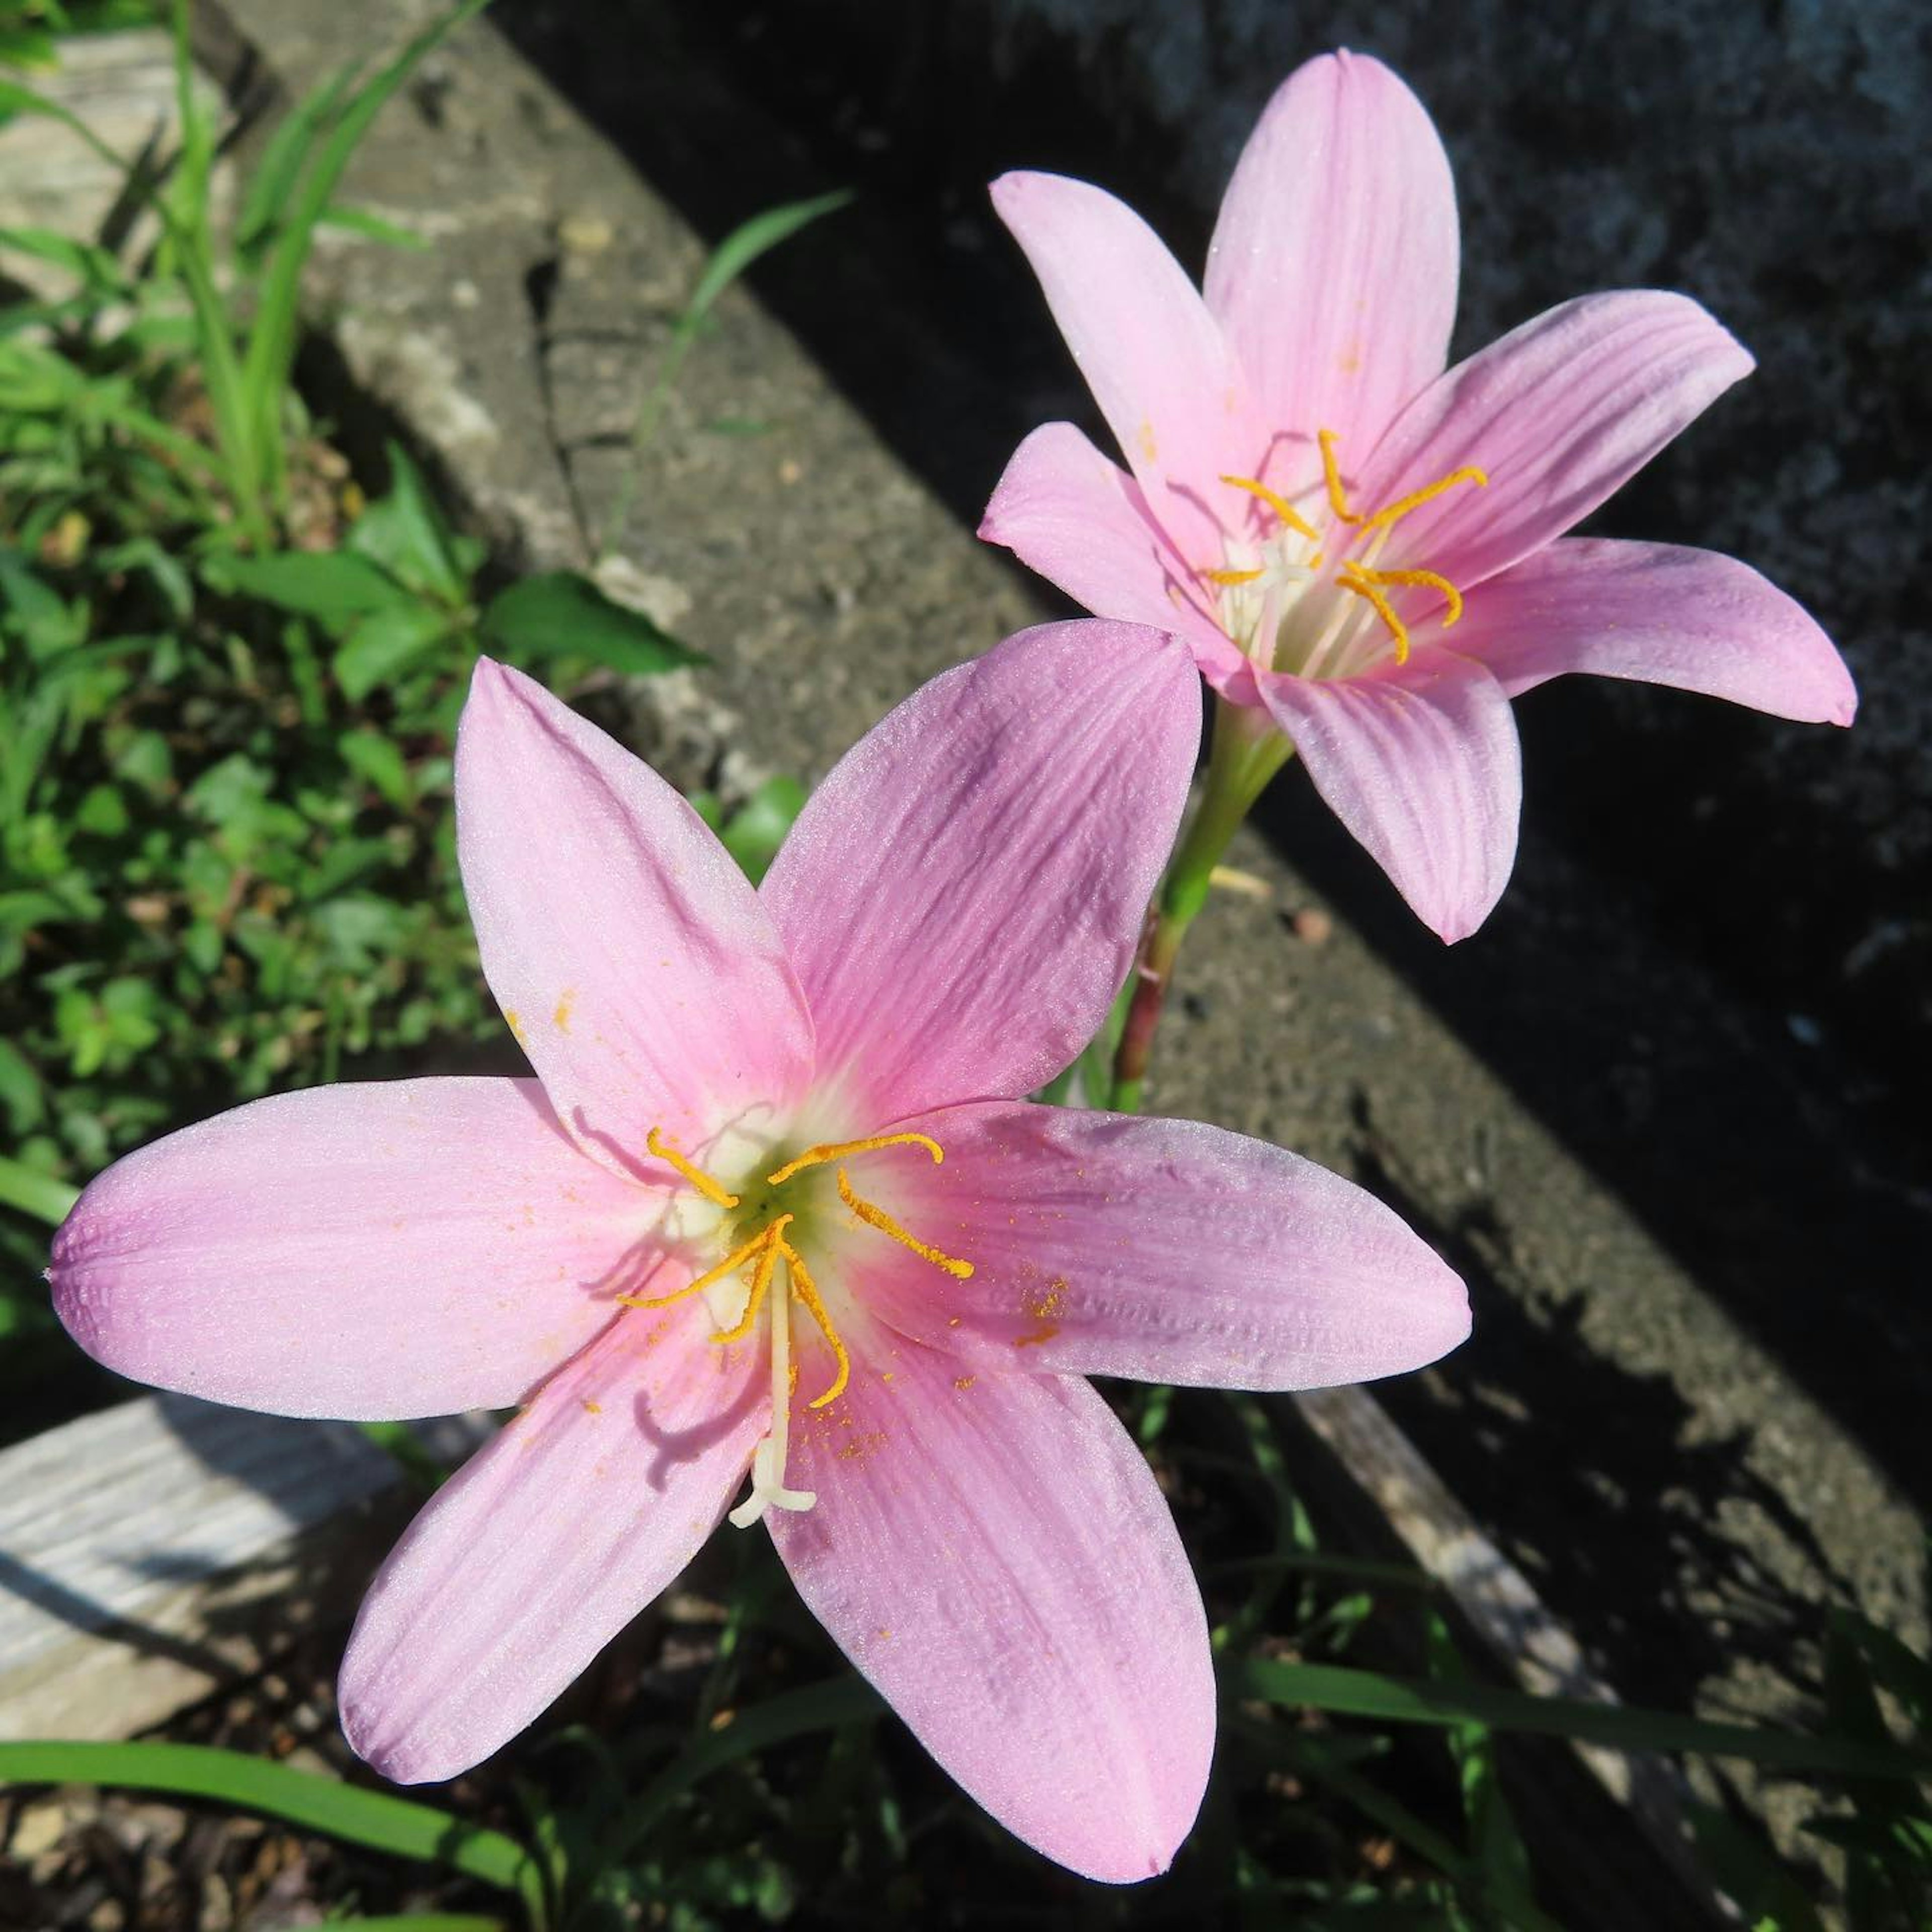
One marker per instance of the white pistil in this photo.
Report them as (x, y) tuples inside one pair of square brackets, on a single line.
[(768, 1459)]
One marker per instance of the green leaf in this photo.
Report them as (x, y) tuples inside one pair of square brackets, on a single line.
[(378, 760), (385, 645), (276, 173), (748, 240), (19, 1090), (397, 1825), (96, 267), (757, 829), (39, 1195), (333, 587), (561, 614), (405, 533), (372, 228), (1368, 1693)]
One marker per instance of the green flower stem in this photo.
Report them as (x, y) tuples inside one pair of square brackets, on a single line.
[(1247, 751)]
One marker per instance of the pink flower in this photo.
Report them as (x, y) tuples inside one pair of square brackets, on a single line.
[(774, 1200), (1365, 547)]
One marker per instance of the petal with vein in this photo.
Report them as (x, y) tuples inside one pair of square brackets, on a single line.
[(1150, 353), (547, 1542), (1167, 1250), (992, 1552), (1333, 266), (962, 895), (1661, 614), (381, 1250), (631, 956), (1558, 414), (1423, 766)]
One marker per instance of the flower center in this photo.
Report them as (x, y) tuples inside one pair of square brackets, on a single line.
[(762, 1227), (1303, 593)]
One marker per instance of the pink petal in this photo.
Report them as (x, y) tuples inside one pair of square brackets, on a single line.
[(962, 895), (1150, 353), (524, 1565), (1164, 1249), (1333, 266), (991, 1552), (630, 955), (1067, 512), (1558, 414), (410, 1248), (1422, 765), (1663, 615)]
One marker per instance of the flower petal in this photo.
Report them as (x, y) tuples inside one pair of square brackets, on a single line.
[(412, 1247), (1661, 614), (993, 1554), (1082, 522), (1333, 266), (1167, 1250), (962, 895), (1150, 353), (547, 1542), (630, 955), (1423, 766), (1558, 414)]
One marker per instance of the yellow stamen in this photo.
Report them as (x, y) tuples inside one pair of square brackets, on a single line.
[(878, 1217), (1427, 578), (1331, 472), (1280, 504), (1231, 576), (732, 1261), (770, 1241), (815, 1157), (1350, 578), (1414, 500), (806, 1289), (697, 1176)]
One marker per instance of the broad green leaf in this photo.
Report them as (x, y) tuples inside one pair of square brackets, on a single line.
[(398, 1825), (404, 532), (334, 587), (379, 760), (757, 829), (561, 614), (1368, 1693), (387, 644), (40, 1195), (20, 1092)]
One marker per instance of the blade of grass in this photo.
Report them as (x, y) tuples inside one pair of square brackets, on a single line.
[(270, 351), (729, 260), (397, 1825), (1368, 1693), (39, 1195)]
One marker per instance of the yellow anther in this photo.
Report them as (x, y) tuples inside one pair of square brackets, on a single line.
[(1416, 498), (1280, 504), (770, 1241), (1350, 578), (1231, 576), (1331, 472), (878, 1217), (816, 1156), (806, 1289), (731, 1262), (697, 1176), (1427, 579)]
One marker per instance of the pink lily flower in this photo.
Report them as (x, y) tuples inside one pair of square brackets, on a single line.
[(774, 1202), (1367, 550)]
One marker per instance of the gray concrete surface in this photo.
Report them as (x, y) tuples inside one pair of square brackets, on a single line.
[(1637, 1429)]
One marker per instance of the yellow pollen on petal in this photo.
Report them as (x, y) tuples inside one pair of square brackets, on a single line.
[(1352, 578), (816, 1156), (712, 1190), (806, 1289), (1289, 515), (878, 1217), (1414, 500), (1231, 576), (1331, 474)]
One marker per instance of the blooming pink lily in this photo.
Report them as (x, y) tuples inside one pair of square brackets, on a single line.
[(774, 1201), (1367, 548)]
